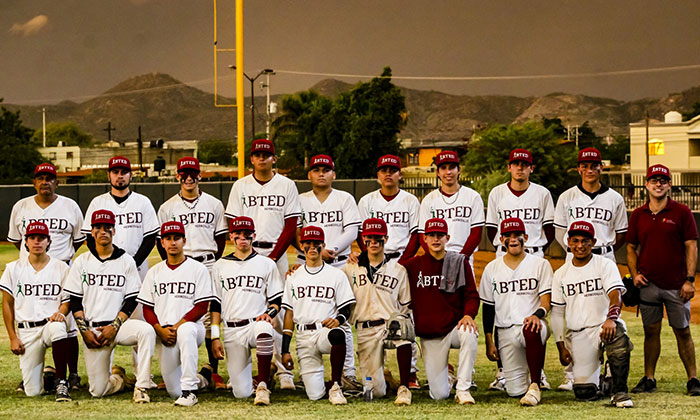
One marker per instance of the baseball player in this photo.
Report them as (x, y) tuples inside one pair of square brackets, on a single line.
[(381, 290), (272, 201), (103, 284), (336, 213), (32, 295), (516, 292), (587, 291), (205, 226), (445, 302), (248, 291), (176, 294), (318, 299), (64, 219)]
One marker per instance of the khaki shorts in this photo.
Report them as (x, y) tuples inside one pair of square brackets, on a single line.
[(653, 299)]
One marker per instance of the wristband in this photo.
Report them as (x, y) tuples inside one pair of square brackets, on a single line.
[(540, 313), (215, 332), (690, 279), (284, 331), (341, 319), (614, 313), (286, 341), (81, 324), (271, 311), (117, 323)]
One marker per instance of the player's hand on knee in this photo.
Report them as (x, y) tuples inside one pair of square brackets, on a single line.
[(330, 323), (687, 291), (640, 281), (607, 332), (218, 349), (107, 334), (264, 317), (564, 354), (57, 317), (467, 324), (491, 351), (287, 361), (353, 258), (91, 340), (532, 323), (292, 269), (16, 346)]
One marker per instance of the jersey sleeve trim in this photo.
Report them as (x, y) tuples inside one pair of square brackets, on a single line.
[(220, 232), (346, 303), (65, 299), (615, 286), (478, 224), (547, 222), (489, 302), (130, 295), (216, 299), (405, 304), (287, 306), (544, 292), (152, 231), (558, 304), (623, 230), (203, 299), (6, 289), (79, 239), (144, 301), (275, 296), (559, 226), (230, 215), (351, 224), (296, 214), (489, 224), (72, 293), (13, 240)]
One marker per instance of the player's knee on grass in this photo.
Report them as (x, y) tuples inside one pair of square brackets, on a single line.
[(336, 337), (586, 392)]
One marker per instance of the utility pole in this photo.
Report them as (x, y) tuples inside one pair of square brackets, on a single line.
[(139, 143), (43, 123), (266, 86), (109, 130), (646, 142), (252, 94)]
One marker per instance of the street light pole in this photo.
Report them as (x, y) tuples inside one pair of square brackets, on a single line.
[(252, 95)]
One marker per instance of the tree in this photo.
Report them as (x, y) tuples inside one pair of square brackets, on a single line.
[(67, 132), (18, 157), (694, 111), (216, 151), (616, 152)]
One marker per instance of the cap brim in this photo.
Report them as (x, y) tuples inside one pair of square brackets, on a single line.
[(580, 232)]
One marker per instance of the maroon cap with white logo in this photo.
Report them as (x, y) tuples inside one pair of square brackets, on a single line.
[(446, 156), (102, 217), (390, 161), (589, 154), (522, 155), (172, 227), (512, 224), (241, 223), (45, 168), (119, 162), (188, 164), (322, 160), (263, 145), (312, 233), (374, 226), (658, 170), (582, 228), (435, 225), (37, 228)]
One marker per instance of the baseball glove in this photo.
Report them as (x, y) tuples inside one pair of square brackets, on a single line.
[(399, 328)]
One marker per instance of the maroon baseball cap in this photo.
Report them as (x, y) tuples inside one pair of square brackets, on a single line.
[(102, 217), (188, 164), (582, 228), (45, 168), (522, 155), (391, 161), (171, 227), (446, 156), (37, 228), (435, 225), (119, 162), (322, 160), (241, 223), (263, 145), (658, 170), (374, 226), (312, 233), (589, 154), (512, 224)]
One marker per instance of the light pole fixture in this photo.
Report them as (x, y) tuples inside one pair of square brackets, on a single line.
[(252, 94)]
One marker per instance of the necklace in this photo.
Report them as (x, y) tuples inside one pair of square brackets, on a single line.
[(454, 200), (306, 267), (187, 203)]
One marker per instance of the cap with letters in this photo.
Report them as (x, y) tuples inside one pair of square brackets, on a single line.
[(45, 168), (188, 164), (37, 228), (658, 170), (582, 228), (262, 145), (102, 217), (446, 156), (374, 226), (522, 155), (172, 227), (512, 224), (589, 154), (390, 161), (312, 233), (435, 225), (241, 223), (322, 160), (119, 162)]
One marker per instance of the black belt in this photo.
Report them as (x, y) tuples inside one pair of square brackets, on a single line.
[(392, 255), (263, 245), (304, 327), (93, 324), (337, 259), (204, 258), (30, 324), (368, 324), (235, 324), (598, 251), (529, 250)]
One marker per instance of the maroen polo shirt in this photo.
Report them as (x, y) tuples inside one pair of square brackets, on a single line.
[(661, 238)]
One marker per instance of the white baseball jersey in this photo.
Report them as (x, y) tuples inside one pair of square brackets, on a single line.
[(63, 218), (174, 292), (399, 213), (605, 210), (135, 218), (462, 211), (203, 219), (515, 293), (37, 294), (316, 293), (534, 207), (380, 297), (268, 204), (584, 291), (334, 216), (245, 287), (103, 284)]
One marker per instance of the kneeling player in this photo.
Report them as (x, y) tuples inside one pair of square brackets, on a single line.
[(318, 299), (381, 289), (175, 295), (249, 290), (32, 296), (587, 292), (516, 291)]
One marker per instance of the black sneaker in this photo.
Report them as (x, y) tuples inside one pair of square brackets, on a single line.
[(62, 393), (645, 385), (20, 387), (693, 387), (74, 381)]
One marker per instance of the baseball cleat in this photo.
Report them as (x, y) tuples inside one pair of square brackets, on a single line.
[(532, 397), (499, 383), (262, 395), (567, 385), (62, 393), (645, 385), (544, 384), (621, 400), (287, 382), (413, 383), (141, 396), (350, 383), (205, 376), (20, 387), (74, 381), (693, 387), (335, 395), (403, 396), (187, 399), (464, 398)]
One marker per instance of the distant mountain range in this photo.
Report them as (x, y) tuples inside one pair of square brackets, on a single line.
[(165, 108)]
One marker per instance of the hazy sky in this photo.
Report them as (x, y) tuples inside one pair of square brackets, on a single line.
[(70, 49)]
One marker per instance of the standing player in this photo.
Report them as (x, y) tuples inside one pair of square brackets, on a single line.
[(381, 290), (318, 299), (336, 213), (516, 292), (205, 226), (587, 291), (248, 291), (272, 201), (103, 284), (32, 296), (445, 302), (176, 294)]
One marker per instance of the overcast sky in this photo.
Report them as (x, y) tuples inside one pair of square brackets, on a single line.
[(70, 49)]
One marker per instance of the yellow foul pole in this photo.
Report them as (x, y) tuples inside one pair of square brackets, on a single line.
[(239, 88)]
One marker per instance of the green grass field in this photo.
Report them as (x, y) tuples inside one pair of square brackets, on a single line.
[(670, 401)]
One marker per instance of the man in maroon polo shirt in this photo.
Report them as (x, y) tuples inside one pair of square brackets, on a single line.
[(445, 302), (662, 257)]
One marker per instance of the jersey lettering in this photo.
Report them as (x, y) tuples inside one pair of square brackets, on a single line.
[(263, 200), (104, 280), (38, 289), (452, 212), (53, 224), (129, 218), (391, 217), (520, 285), (199, 217), (428, 281), (522, 214), (245, 281), (322, 217), (175, 288), (590, 213), (322, 292), (585, 287)]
